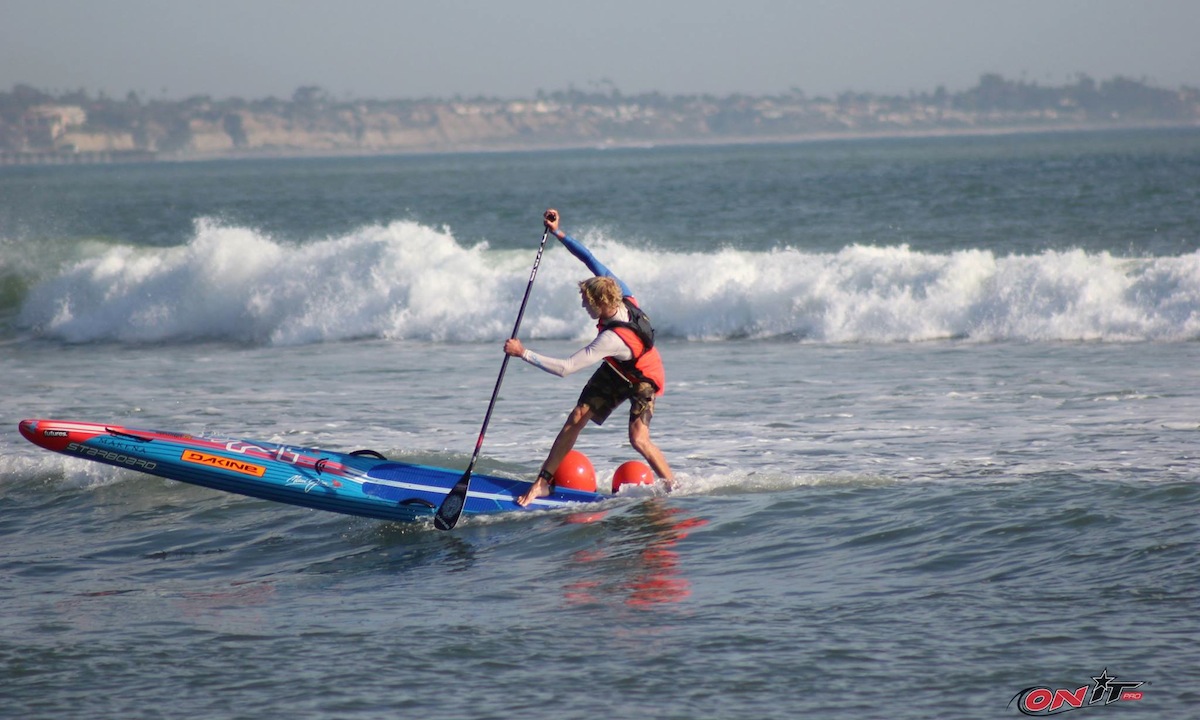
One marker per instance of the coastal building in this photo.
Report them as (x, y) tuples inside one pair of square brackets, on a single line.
[(46, 124)]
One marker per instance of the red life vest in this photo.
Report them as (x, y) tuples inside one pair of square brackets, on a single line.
[(646, 364)]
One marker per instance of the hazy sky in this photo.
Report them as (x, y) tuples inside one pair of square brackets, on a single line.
[(388, 49)]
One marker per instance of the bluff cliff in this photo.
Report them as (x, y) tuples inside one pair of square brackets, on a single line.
[(37, 125)]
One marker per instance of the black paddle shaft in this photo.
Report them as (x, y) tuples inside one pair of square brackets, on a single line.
[(452, 506)]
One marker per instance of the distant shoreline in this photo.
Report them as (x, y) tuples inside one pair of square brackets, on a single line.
[(75, 128), (60, 158)]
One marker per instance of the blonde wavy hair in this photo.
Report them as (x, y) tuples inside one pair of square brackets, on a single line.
[(602, 292)]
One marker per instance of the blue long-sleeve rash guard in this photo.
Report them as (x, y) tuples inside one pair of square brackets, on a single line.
[(598, 268), (606, 344)]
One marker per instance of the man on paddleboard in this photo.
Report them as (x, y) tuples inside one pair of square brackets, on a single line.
[(631, 370)]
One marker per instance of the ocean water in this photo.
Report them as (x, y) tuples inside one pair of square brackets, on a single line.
[(933, 406)]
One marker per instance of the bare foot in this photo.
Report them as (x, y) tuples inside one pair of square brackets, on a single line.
[(539, 488)]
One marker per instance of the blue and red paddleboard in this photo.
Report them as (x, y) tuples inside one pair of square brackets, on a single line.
[(355, 484)]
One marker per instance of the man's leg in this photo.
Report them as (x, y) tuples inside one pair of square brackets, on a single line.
[(639, 438), (576, 421)]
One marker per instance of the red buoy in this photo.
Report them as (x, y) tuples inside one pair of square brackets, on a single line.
[(632, 473), (576, 472)]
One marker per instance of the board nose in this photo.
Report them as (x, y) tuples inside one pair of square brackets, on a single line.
[(28, 428)]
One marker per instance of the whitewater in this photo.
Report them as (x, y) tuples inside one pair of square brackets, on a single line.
[(406, 281)]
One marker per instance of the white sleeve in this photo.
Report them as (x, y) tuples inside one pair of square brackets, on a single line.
[(606, 344)]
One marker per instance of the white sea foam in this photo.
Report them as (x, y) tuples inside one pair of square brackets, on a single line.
[(68, 471), (408, 281)]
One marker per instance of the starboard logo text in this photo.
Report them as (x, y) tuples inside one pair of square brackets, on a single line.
[(1105, 690)]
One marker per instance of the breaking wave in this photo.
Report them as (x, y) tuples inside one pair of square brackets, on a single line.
[(405, 281)]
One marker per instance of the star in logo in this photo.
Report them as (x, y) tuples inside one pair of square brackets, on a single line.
[(1107, 684)]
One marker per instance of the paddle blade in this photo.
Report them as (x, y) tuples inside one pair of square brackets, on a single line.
[(450, 511)]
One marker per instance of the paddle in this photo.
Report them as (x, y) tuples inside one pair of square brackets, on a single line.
[(452, 506)]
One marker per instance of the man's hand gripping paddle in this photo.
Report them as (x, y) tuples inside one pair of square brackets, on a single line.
[(452, 506)]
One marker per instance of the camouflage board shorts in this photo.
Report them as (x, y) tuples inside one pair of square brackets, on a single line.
[(607, 389)]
